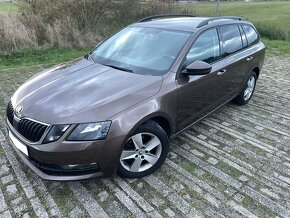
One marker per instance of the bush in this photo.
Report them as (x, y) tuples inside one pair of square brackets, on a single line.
[(74, 23), (272, 32), (15, 34)]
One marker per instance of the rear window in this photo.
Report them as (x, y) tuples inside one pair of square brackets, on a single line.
[(231, 39), (251, 35)]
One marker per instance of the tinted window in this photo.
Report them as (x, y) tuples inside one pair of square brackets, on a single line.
[(231, 39), (251, 35), (205, 48)]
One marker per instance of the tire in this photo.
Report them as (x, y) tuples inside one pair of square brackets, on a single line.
[(247, 91), (144, 152)]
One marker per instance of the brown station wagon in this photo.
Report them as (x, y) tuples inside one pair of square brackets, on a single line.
[(116, 109)]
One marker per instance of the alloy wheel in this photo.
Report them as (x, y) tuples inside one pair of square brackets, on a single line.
[(141, 152), (250, 88)]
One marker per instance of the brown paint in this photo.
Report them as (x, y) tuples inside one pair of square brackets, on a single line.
[(83, 91)]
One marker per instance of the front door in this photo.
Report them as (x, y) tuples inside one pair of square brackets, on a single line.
[(199, 95)]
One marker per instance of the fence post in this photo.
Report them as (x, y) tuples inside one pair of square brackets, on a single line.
[(217, 12)]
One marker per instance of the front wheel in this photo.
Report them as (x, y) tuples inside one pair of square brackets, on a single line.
[(247, 91), (144, 152)]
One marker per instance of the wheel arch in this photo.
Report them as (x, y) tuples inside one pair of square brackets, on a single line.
[(126, 123), (164, 123), (257, 71), (162, 120)]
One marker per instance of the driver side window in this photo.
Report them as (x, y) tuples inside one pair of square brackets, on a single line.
[(206, 48)]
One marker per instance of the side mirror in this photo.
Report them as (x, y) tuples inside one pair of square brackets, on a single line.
[(198, 68)]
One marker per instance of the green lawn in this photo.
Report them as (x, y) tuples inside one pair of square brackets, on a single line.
[(32, 57), (8, 8), (51, 56), (271, 18), (277, 47), (274, 13)]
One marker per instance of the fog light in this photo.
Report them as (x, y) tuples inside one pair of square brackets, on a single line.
[(90, 166)]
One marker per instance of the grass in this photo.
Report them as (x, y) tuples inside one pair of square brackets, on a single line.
[(277, 47), (274, 13), (50, 56), (271, 18), (31, 57), (8, 8)]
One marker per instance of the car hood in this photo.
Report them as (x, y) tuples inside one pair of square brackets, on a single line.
[(82, 91)]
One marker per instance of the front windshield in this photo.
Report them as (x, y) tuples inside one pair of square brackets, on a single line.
[(141, 50)]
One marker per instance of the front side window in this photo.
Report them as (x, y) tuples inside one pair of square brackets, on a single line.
[(206, 48), (251, 35), (143, 50), (231, 39)]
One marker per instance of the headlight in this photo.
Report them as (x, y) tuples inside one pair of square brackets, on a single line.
[(55, 133), (90, 131)]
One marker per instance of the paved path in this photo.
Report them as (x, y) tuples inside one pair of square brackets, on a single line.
[(235, 163)]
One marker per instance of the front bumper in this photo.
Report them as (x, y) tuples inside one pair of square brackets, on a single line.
[(54, 177), (52, 161)]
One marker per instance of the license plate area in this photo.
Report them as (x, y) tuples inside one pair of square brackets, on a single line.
[(19, 145)]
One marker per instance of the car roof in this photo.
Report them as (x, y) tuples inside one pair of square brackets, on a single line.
[(180, 23)]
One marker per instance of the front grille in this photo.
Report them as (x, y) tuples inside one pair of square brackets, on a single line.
[(10, 112), (31, 130)]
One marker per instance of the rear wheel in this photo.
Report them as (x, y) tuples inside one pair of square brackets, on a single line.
[(247, 91), (144, 152)]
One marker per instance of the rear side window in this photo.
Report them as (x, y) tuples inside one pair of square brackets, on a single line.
[(206, 48), (231, 39), (251, 35)]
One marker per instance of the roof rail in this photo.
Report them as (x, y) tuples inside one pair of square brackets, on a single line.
[(163, 16), (205, 22)]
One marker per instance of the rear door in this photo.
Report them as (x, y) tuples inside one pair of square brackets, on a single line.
[(254, 52), (236, 59)]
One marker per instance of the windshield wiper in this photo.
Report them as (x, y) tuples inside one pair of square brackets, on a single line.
[(119, 68)]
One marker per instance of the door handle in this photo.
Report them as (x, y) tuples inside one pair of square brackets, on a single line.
[(221, 72), (249, 58)]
